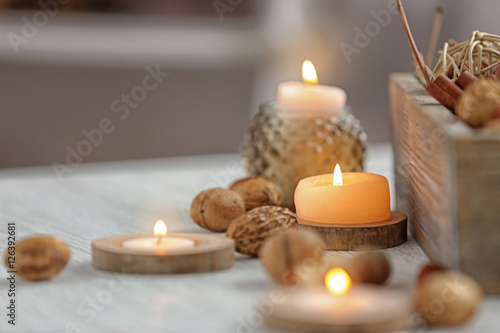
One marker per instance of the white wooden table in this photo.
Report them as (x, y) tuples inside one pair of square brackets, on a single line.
[(100, 200)]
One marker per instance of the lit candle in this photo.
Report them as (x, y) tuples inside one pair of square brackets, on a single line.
[(349, 198), (308, 96), (160, 241), (337, 281), (341, 308)]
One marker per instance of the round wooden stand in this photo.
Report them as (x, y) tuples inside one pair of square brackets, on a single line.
[(211, 253), (366, 310), (352, 237)]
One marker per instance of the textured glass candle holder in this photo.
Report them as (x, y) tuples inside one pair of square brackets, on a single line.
[(285, 147)]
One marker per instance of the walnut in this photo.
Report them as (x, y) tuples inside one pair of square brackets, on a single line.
[(39, 258), (479, 101), (257, 191), (214, 209), (448, 298), (493, 122), (250, 230), (292, 256)]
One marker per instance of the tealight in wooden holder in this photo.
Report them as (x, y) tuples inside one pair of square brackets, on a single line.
[(365, 310), (210, 253), (352, 237)]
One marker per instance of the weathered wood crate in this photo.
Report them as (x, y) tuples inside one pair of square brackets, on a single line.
[(447, 182)]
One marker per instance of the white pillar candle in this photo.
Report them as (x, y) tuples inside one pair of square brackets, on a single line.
[(308, 96)]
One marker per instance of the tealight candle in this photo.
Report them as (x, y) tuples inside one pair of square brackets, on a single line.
[(160, 241), (342, 307), (162, 254), (308, 96), (349, 198)]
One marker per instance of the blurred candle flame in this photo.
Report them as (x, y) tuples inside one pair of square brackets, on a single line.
[(309, 73), (337, 281), (160, 229), (337, 176)]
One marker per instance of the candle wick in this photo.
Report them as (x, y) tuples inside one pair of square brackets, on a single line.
[(158, 241)]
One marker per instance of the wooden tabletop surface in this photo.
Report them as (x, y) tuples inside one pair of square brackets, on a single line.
[(109, 199)]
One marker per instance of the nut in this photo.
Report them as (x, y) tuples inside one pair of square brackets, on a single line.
[(493, 125), (369, 267), (364, 267), (493, 122), (479, 101), (250, 230), (257, 192), (214, 209), (426, 270), (39, 257), (292, 255), (448, 298)]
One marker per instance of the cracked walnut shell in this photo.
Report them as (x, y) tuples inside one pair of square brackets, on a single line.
[(250, 230)]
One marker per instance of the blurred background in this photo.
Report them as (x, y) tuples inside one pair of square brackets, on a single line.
[(71, 70)]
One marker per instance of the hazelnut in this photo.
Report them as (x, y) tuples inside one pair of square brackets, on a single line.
[(364, 267), (369, 267), (39, 257), (251, 229), (214, 209), (448, 298), (292, 255), (257, 191)]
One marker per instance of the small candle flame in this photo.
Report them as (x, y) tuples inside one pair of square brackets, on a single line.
[(160, 229), (337, 281), (337, 176), (309, 73)]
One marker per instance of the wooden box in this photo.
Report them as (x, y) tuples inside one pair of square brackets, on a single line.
[(447, 182)]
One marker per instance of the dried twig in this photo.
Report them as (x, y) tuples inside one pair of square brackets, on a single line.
[(413, 46), (436, 31)]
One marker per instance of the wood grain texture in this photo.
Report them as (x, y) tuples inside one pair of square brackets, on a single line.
[(353, 237), (448, 182), (109, 199), (211, 253)]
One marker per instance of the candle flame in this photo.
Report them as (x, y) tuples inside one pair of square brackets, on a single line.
[(309, 73), (337, 176), (160, 229), (337, 281)]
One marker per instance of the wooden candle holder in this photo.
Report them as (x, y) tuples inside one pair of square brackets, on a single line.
[(372, 310), (352, 237), (211, 253)]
